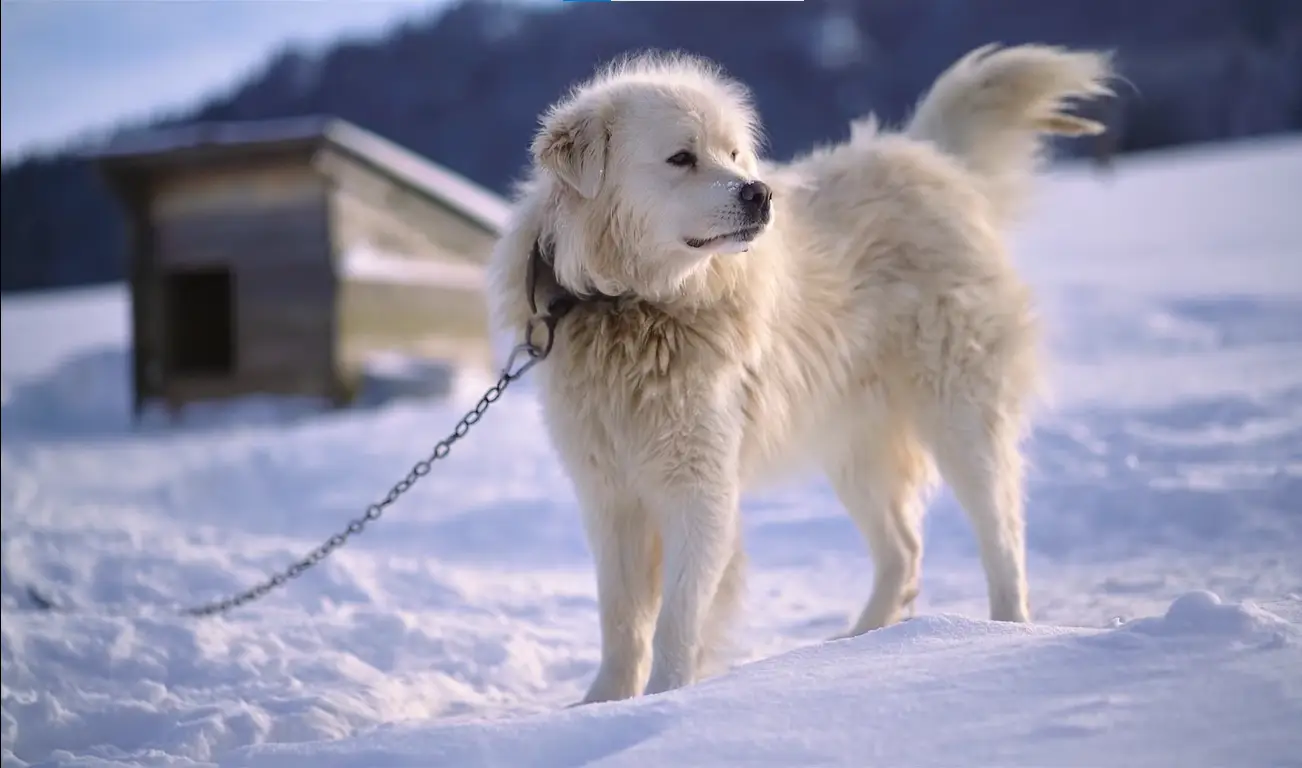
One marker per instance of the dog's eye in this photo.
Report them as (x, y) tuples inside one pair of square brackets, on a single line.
[(682, 160), (734, 154)]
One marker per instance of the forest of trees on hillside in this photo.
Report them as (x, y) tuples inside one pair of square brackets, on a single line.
[(464, 88)]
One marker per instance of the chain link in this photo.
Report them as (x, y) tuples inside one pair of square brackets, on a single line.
[(522, 358)]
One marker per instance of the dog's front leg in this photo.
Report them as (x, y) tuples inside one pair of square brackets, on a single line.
[(696, 506), (700, 531)]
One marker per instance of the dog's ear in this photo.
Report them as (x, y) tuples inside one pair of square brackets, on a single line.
[(572, 145)]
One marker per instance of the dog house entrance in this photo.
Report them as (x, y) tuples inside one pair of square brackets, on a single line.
[(200, 324)]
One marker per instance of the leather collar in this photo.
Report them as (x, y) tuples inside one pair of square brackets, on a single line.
[(546, 291), (556, 301)]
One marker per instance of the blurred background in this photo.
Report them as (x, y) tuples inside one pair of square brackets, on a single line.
[(462, 82)]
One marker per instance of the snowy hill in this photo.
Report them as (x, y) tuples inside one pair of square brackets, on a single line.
[(1165, 529), (936, 691)]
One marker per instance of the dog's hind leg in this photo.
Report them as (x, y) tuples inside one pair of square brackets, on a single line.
[(976, 449), (879, 472), (626, 548)]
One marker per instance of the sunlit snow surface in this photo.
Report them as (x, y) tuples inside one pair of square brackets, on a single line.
[(1165, 533)]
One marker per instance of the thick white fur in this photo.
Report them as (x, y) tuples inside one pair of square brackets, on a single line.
[(875, 329)]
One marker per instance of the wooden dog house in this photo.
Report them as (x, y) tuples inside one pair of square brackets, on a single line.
[(278, 257)]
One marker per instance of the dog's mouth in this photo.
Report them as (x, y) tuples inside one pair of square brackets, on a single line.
[(744, 235)]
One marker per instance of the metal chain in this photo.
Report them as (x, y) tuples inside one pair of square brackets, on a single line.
[(522, 358)]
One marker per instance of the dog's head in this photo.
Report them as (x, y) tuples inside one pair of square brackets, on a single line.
[(655, 169)]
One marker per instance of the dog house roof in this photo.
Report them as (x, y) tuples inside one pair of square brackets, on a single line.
[(214, 138)]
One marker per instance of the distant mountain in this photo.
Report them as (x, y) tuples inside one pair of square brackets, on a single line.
[(465, 88)]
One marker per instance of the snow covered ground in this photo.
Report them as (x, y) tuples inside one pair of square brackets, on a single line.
[(1165, 541)]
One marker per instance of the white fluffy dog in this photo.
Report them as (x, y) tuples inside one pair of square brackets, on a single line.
[(727, 321)]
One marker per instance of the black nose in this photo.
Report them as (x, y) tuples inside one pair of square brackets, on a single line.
[(755, 196)]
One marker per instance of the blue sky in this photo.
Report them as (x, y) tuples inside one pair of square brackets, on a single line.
[(72, 66)]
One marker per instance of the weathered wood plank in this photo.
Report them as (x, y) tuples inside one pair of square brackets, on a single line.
[(246, 237), (371, 208), (413, 319), (283, 322), (251, 184), (304, 284), (282, 354)]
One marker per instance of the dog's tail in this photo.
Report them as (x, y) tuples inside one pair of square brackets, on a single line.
[(993, 107)]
